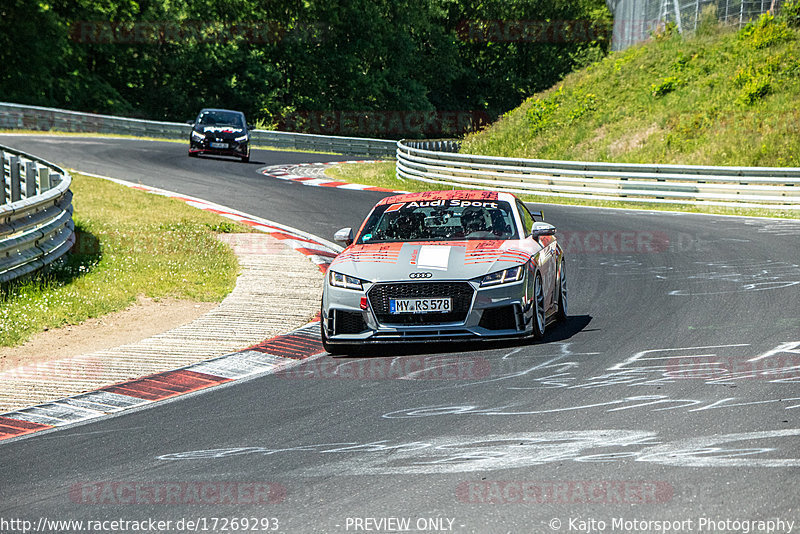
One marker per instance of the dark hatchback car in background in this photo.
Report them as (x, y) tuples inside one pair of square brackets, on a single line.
[(220, 132)]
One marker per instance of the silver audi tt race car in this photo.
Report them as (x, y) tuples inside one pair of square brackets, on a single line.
[(444, 265)]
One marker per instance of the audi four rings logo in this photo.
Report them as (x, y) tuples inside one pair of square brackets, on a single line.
[(420, 275)]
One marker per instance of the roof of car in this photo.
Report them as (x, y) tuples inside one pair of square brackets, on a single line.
[(447, 195), (219, 109)]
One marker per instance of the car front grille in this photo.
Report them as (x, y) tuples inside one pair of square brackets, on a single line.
[(461, 294), (348, 322), (502, 318)]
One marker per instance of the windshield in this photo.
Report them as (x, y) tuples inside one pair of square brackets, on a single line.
[(439, 220), (220, 118)]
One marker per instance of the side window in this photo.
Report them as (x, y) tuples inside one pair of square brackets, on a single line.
[(527, 219)]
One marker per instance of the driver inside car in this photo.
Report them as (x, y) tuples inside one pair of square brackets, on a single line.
[(473, 221), (499, 226), (402, 227)]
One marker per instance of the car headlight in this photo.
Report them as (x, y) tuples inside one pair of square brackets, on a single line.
[(241, 139), (197, 136), (342, 280), (514, 274)]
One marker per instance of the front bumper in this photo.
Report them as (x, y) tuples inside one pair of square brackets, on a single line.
[(233, 148), (502, 311)]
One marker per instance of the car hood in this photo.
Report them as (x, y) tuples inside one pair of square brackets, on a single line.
[(444, 260)]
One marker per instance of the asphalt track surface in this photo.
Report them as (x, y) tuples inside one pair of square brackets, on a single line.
[(671, 394)]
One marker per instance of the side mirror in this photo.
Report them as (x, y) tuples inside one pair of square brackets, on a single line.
[(344, 236), (541, 229)]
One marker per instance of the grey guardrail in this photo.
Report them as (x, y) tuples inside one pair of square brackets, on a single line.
[(36, 225), (17, 116), (437, 161)]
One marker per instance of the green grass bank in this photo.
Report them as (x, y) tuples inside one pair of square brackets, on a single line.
[(130, 243), (719, 97)]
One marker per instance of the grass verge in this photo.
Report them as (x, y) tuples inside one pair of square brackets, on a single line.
[(383, 175), (380, 174), (130, 243)]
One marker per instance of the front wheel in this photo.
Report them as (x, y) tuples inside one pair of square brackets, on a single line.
[(334, 349), (538, 312), (561, 314)]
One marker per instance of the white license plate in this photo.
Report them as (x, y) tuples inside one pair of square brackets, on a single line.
[(438, 305), (218, 145)]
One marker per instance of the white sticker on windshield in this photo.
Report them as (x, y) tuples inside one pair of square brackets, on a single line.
[(433, 257)]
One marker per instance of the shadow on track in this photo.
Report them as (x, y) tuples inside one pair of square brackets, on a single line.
[(564, 331), (555, 333), (228, 159)]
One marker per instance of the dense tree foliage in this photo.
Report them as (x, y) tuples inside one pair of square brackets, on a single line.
[(332, 65)]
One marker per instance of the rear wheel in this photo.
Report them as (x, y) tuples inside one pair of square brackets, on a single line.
[(538, 312), (561, 314), (192, 154), (245, 159)]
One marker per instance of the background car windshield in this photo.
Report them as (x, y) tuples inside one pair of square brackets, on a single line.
[(220, 118), (453, 219)]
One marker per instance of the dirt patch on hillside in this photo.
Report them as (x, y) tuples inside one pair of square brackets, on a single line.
[(632, 141)]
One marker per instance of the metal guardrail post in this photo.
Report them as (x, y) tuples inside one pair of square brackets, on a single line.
[(30, 179), (3, 180), (43, 179), (13, 175)]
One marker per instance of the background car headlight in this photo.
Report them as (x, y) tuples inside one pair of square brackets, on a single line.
[(514, 274), (342, 280), (241, 139), (197, 136)]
